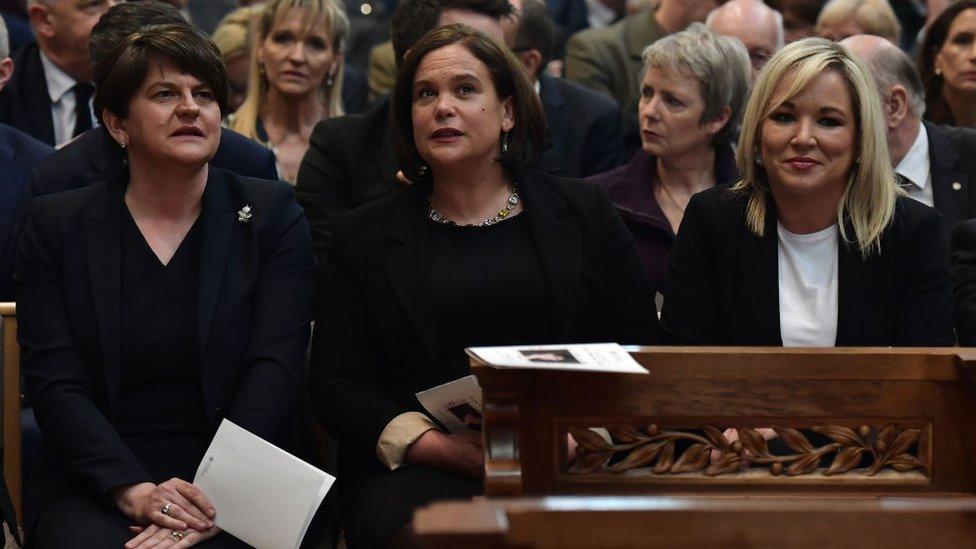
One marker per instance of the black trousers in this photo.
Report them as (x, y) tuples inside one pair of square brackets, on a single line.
[(74, 519), (387, 501)]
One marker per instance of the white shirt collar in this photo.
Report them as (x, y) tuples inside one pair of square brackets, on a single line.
[(58, 81), (598, 14), (915, 165)]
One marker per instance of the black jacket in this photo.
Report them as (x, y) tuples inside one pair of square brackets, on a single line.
[(254, 305), (952, 163), (374, 345), (723, 285), (25, 102), (583, 130), (964, 273), (350, 161), (94, 156)]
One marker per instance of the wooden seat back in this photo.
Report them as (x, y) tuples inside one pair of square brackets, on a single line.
[(11, 408), (852, 421)]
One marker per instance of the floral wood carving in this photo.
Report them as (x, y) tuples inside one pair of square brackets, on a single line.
[(709, 452)]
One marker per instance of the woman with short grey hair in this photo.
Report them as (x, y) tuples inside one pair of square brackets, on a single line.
[(694, 87)]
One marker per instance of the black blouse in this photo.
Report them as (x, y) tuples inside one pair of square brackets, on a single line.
[(160, 412), (489, 288)]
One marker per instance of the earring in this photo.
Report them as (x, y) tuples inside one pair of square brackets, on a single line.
[(938, 71), (261, 68), (122, 144), (330, 80), (421, 172), (506, 137), (757, 157)]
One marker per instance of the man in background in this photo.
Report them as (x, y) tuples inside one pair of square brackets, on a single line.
[(756, 25), (49, 96)]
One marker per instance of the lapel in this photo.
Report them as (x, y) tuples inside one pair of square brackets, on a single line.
[(759, 268), (859, 280), (558, 244), (383, 151), (408, 264), (35, 102), (103, 238), (550, 159), (218, 216), (942, 161)]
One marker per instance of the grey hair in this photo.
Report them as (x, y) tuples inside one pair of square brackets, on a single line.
[(719, 63), (891, 66), (777, 19), (4, 40)]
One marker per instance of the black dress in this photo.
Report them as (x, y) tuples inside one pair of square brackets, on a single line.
[(159, 414), (490, 290)]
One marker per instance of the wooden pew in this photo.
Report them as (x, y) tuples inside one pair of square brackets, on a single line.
[(11, 408), (860, 428)]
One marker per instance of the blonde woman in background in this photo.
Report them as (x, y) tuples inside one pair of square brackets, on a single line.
[(842, 18), (816, 245), (295, 78), (231, 37)]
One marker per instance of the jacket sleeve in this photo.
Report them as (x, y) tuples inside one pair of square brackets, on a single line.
[(279, 325), (346, 393), (629, 315), (583, 65), (323, 180), (924, 308), (58, 382), (688, 314), (964, 273)]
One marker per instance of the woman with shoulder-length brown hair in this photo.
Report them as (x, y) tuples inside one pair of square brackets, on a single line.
[(154, 304), (478, 251), (816, 245)]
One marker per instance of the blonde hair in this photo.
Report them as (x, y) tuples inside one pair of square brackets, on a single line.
[(868, 202), (232, 33), (329, 13), (874, 16)]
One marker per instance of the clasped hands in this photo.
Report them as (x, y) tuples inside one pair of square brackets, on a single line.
[(461, 452), (187, 520)]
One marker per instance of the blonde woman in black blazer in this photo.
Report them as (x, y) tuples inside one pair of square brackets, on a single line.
[(814, 159)]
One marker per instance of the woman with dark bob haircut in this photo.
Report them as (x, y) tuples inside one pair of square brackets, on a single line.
[(947, 66), (154, 304), (478, 251)]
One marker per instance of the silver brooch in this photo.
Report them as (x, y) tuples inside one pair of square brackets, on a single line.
[(244, 214)]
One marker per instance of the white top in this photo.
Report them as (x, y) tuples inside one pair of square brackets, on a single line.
[(59, 85), (915, 167), (598, 14), (808, 287)]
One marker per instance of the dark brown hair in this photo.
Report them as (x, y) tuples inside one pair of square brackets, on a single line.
[(119, 75), (508, 77), (936, 108)]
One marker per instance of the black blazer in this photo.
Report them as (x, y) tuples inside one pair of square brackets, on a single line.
[(94, 156), (964, 273), (19, 154), (350, 161), (24, 102), (254, 305), (723, 285), (952, 163), (583, 130), (375, 342)]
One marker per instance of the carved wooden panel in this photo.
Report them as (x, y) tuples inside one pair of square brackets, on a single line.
[(708, 451)]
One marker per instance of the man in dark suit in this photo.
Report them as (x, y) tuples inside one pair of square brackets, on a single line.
[(584, 133), (49, 96), (93, 156), (206, 14), (350, 159), (935, 164)]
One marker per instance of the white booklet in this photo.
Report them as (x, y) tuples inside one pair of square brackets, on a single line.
[(263, 495), (456, 404), (591, 357)]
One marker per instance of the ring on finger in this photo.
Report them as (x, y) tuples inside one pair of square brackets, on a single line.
[(167, 509), (176, 536)]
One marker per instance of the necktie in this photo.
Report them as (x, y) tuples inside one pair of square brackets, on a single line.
[(83, 116)]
